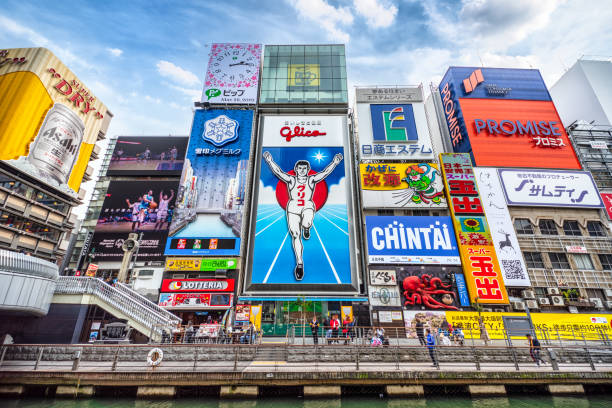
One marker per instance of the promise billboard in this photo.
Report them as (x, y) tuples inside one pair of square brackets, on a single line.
[(49, 120), (504, 118), (301, 241), (208, 215)]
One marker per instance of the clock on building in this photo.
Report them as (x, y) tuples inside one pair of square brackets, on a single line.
[(234, 67)]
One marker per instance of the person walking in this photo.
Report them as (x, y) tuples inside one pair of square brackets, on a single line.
[(431, 347), (484, 333), (314, 328), (420, 331), (535, 349)]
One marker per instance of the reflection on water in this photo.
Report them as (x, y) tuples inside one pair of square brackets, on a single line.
[(206, 225), (207, 402)]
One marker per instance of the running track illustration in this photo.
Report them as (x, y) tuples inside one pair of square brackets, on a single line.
[(326, 253)]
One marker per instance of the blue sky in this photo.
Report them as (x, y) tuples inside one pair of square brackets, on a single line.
[(146, 60)]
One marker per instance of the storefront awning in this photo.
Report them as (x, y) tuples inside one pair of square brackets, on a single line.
[(308, 298)]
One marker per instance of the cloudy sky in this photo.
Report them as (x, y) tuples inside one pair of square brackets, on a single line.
[(146, 60)]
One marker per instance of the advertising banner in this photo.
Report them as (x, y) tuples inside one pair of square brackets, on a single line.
[(197, 285), (481, 268), (232, 76), (607, 202), (389, 95), (429, 288), (383, 277), (411, 240), (137, 205), (200, 264), (302, 228), (401, 185), (394, 131), (550, 188), (195, 301), (208, 215), (148, 156), (502, 230), (107, 246), (568, 325), (384, 296), (49, 120), (243, 313), (505, 118)]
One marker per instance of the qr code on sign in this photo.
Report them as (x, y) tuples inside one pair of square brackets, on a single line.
[(513, 269)]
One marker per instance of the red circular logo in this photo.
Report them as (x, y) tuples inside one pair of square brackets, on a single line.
[(319, 197)]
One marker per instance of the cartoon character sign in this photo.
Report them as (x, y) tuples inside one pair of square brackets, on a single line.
[(303, 224), (401, 185)]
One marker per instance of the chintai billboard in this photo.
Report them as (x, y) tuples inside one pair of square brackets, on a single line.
[(49, 120), (302, 236), (212, 193), (411, 240), (504, 118), (401, 185)]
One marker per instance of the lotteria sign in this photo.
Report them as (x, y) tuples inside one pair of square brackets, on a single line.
[(481, 268), (197, 285), (414, 240), (504, 118)]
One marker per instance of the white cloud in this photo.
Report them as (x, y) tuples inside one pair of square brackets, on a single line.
[(115, 52), (489, 24), (176, 73), (152, 99), (193, 94), (377, 13), (267, 195), (327, 16), (337, 193)]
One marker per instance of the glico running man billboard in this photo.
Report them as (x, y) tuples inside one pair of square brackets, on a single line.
[(208, 216), (504, 118), (232, 76), (301, 242), (148, 156), (49, 120)]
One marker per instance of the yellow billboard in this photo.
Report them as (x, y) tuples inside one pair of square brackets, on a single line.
[(481, 268), (49, 121), (303, 75)]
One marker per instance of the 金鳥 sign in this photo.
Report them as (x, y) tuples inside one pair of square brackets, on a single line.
[(480, 264)]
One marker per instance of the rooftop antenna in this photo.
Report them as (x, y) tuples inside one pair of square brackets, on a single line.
[(480, 59)]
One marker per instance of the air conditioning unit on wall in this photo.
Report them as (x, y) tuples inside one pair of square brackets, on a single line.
[(532, 304), (597, 302), (544, 301), (553, 291), (528, 294), (518, 305), (557, 300)]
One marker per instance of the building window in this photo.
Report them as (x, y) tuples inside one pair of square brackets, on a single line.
[(559, 260), (595, 229), (548, 227), (534, 260), (385, 212), (606, 261), (523, 226), (423, 213), (571, 228), (583, 261)]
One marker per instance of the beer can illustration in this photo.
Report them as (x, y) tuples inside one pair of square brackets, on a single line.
[(57, 144)]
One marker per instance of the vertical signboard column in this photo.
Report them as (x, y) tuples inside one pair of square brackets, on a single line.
[(480, 265)]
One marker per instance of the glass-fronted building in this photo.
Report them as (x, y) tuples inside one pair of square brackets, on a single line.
[(304, 74)]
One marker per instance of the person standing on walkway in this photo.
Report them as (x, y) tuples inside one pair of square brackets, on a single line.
[(335, 326), (314, 327), (431, 347), (419, 331), (484, 333), (535, 349)]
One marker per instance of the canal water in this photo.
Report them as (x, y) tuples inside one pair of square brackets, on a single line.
[(598, 401)]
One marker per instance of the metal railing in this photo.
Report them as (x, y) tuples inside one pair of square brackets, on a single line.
[(186, 358), (28, 265), (131, 304), (559, 242)]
